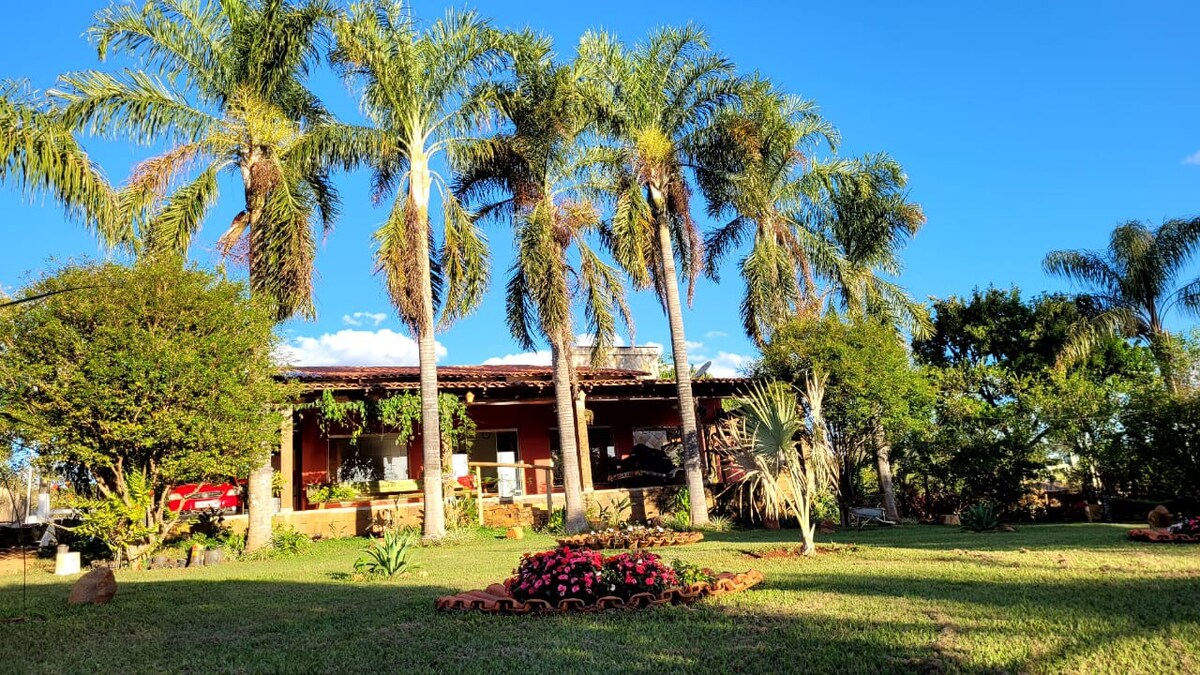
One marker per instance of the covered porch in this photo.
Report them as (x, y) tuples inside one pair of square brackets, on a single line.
[(627, 427)]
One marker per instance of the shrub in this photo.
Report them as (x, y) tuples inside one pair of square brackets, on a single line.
[(334, 492), (387, 557), (717, 524), (556, 575), (980, 518), (1190, 525), (628, 574), (130, 381), (688, 574), (286, 542), (557, 522), (680, 521)]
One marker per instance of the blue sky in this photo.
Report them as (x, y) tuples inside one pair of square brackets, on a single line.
[(1023, 126)]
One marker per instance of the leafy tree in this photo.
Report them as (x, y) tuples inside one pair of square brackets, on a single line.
[(819, 229), (535, 173), (873, 394), (1004, 409), (140, 379), (416, 88), (661, 95), (1133, 285), (221, 85)]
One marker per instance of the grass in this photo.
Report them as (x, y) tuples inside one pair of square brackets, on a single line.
[(1050, 598)]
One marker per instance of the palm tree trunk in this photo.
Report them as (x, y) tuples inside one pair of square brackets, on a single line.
[(431, 435), (258, 487), (564, 404), (258, 520), (883, 467), (683, 381)]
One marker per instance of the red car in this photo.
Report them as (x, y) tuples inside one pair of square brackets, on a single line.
[(226, 497)]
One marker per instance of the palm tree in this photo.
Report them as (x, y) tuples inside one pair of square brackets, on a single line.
[(661, 95), (535, 172), (39, 154), (782, 449), (820, 230), (221, 84), (416, 89), (1132, 285)]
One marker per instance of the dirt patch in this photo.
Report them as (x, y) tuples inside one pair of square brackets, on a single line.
[(794, 551), (10, 560)]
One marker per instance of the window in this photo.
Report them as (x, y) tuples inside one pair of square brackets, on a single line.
[(602, 451), (373, 457)]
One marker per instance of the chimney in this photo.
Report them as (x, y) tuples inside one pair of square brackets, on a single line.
[(645, 359)]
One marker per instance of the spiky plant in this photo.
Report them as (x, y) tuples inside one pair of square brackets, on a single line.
[(1133, 286), (781, 448), (416, 88), (661, 95)]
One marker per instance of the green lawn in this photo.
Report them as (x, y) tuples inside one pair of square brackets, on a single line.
[(1051, 598)]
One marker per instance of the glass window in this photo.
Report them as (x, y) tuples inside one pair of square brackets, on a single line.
[(372, 457)]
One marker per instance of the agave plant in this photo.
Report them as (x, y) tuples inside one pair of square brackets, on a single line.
[(980, 518), (387, 557)]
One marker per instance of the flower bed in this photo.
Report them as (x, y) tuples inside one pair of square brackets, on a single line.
[(1163, 536), (632, 537), (573, 579)]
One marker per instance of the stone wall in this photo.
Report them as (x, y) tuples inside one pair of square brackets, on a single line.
[(530, 511)]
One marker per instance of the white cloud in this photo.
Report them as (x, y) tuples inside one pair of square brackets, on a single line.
[(725, 364), (347, 347), (716, 334), (1193, 158), (364, 318), (693, 346), (586, 340), (654, 344), (538, 358)]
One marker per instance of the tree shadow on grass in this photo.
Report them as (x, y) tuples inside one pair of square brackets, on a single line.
[(278, 626), (1117, 608)]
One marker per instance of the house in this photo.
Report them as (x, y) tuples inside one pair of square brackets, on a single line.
[(623, 410)]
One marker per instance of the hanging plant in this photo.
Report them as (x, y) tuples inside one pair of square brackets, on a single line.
[(402, 414), (334, 414)]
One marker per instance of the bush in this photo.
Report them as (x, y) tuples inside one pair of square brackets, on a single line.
[(286, 542), (628, 574), (980, 518), (688, 574), (556, 524), (387, 557), (1190, 525), (335, 492), (556, 575)]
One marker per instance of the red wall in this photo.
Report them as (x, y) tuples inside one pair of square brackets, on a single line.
[(532, 421)]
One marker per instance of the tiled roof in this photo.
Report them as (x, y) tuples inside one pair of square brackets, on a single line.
[(315, 378), (354, 374)]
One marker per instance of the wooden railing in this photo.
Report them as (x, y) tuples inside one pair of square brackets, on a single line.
[(520, 467)]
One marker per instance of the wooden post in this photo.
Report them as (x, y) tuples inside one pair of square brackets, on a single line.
[(582, 442), (479, 493), (550, 491), (287, 462)]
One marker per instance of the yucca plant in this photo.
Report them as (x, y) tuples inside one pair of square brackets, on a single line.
[(980, 518), (387, 557)]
